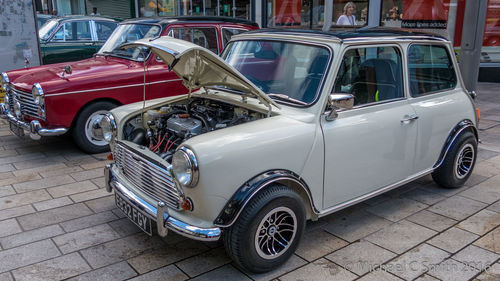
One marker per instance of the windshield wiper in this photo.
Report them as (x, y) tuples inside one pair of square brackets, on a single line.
[(283, 97)]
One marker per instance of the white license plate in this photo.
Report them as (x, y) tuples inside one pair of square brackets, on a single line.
[(134, 214), (18, 131)]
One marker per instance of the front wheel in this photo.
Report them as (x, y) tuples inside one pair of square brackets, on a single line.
[(458, 163), (83, 134), (268, 230)]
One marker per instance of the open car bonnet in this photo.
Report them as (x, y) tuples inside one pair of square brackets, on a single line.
[(199, 67)]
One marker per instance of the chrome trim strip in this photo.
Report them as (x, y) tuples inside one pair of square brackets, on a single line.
[(373, 193), (176, 225), (110, 88)]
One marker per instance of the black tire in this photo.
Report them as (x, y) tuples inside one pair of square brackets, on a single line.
[(458, 163), (240, 240), (81, 132)]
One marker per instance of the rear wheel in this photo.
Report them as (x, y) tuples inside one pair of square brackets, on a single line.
[(458, 163), (83, 134), (268, 230)]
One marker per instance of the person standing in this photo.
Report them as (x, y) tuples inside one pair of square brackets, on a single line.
[(348, 17), (94, 12)]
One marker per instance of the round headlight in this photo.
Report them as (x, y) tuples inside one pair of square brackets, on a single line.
[(185, 167), (17, 109), (108, 127), (38, 96), (4, 81)]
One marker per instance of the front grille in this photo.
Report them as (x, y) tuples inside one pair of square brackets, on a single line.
[(28, 106), (148, 176)]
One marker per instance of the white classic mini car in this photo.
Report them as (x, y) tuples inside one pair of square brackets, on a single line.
[(287, 126)]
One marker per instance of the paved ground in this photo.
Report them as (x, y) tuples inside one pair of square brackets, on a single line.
[(57, 222)]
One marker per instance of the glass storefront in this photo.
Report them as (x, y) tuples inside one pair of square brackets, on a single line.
[(491, 40), (437, 16), (295, 13), (227, 8), (343, 14), (310, 14)]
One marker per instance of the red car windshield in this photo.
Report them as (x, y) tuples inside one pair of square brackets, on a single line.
[(126, 33)]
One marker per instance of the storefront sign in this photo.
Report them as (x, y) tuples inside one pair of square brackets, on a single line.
[(437, 24)]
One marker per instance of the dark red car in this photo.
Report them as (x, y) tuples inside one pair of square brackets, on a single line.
[(53, 99)]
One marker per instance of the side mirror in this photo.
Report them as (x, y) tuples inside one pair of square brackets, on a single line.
[(339, 102)]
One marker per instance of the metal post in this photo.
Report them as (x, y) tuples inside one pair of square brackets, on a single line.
[(218, 7), (374, 11), (258, 12), (472, 41), (327, 22)]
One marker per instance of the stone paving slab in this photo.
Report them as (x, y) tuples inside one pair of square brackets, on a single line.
[(401, 236), (116, 272), (320, 269), (58, 222), (453, 239), (55, 269)]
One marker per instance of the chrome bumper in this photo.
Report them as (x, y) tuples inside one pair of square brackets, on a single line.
[(164, 221), (34, 127)]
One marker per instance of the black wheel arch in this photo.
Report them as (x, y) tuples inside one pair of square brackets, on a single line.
[(249, 189), (465, 125)]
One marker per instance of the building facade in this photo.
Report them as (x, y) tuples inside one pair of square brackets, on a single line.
[(444, 17)]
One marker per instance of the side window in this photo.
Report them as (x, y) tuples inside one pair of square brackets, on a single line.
[(104, 29), (73, 31), (204, 37), (371, 74), (431, 69), (227, 33)]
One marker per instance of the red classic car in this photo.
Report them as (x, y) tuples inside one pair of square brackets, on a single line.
[(53, 99)]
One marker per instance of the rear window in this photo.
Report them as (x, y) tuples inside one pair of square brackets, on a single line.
[(431, 69), (205, 37)]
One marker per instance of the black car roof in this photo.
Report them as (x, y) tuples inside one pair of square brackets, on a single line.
[(364, 32), (188, 19)]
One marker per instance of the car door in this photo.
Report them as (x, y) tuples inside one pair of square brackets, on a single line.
[(435, 98), (72, 41), (371, 145)]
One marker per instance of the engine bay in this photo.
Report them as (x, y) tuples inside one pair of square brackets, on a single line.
[(163, 129)]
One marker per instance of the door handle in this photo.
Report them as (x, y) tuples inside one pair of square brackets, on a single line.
[(89, 44), (409, 118)]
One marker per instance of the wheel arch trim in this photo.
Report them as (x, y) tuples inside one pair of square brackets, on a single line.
[(234, 206), (464, 125)]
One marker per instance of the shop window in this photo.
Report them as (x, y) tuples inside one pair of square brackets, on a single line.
[(436, 16), (350, 13), (490, 52), (431, 69)]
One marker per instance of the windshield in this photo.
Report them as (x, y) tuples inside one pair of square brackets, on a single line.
[(47, 29), (289, 73), (126, 33)]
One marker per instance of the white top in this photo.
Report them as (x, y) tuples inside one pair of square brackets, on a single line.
[(346, 20)]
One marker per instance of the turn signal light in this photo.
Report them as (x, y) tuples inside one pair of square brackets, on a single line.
[(109, 156), (187, 204), (478, 112)]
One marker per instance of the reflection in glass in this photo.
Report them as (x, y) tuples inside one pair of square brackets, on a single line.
[(289, 73)]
